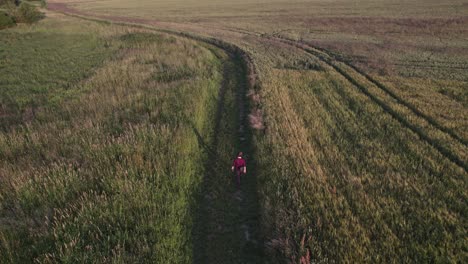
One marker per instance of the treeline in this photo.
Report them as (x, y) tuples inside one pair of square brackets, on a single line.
[(16, 11)]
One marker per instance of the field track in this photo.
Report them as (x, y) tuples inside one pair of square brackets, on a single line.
[(244, 222)]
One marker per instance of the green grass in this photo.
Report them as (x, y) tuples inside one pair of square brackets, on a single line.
[(63, 55), (6, 20), (107, 168)]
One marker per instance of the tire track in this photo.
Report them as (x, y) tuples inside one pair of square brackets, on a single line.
[(398, 98), (324, 57), (322, 54)]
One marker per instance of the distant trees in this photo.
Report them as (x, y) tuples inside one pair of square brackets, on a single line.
[(16, 11), (27, 13), (6, 20), (10, 2)]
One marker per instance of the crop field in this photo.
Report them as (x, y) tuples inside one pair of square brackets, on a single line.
[(119, 120)]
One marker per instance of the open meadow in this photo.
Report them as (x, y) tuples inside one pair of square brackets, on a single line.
[(116, 138)]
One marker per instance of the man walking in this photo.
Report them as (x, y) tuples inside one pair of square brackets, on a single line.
[(239, 167)]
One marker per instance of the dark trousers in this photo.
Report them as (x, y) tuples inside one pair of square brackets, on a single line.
[(239, 172)]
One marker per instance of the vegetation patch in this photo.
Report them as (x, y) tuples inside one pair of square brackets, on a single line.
[(301, 65), (27, 13), (141, 38), (171, 75), (27, 85), (6, 20)]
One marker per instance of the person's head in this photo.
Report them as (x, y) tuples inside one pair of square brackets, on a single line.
[(240, 154)]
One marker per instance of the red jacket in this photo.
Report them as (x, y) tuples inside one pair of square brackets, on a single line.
[(238, 163)]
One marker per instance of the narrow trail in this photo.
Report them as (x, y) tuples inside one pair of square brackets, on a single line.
[(226, 220), (226, 228)]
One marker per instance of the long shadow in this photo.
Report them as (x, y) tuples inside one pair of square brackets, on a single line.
[(226, 221), (215, 162), (213, 166), (199, 209)]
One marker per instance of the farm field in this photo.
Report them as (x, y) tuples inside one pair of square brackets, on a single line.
[(358, 112)]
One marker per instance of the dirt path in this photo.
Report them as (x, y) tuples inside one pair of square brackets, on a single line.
[(227, 224), (226, 228)]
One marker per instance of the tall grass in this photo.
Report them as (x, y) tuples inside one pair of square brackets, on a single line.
[(107, 167), (344, 181)]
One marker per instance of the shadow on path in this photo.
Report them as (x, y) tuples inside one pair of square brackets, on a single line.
[(226, 228)]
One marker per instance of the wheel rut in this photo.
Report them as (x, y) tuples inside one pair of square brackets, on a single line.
[(443, 150), (227, 222), (389, 92), (325, 57)]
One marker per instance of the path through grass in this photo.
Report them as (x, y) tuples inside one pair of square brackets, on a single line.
[(228, 224)]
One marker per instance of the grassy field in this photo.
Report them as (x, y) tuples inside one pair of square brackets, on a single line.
[(361, 148), (100, 161), (417, 48)]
